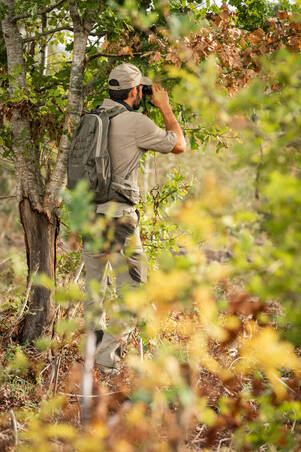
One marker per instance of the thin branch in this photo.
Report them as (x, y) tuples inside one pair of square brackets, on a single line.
[(45, 368), (6, 162), (7, 197), (90, 396), (14, 426), (140, 349), (112, 55), (5, 260), (44, 46), (96, 35), (57, 371), (75, 16), (20, 315), (167, 195), (88, 87), (87, 379), (44, 11), (48, 32), (79, 272), (51, 377)]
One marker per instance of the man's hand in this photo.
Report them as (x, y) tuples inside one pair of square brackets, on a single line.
[(160, 100), (159, 97)]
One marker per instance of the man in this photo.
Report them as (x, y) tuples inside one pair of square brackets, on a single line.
[(130, 135)]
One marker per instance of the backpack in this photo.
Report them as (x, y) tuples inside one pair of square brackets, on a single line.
[(89, 159)]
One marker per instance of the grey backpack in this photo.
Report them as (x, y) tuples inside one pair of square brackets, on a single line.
[(89, 159)]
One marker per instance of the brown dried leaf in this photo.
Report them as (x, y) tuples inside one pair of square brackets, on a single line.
[(155, 57), (127, 50), (225, 13)]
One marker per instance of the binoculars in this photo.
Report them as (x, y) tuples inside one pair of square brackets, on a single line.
[(147, 90)]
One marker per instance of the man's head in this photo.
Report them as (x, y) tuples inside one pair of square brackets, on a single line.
[(125, 83)]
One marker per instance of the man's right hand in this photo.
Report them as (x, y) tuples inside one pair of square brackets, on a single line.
[(159, 97), (160, 100)]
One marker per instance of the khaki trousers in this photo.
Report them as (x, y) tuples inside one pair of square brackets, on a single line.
[(122, 256)]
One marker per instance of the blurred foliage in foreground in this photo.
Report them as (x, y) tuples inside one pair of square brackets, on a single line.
[(219, 360)]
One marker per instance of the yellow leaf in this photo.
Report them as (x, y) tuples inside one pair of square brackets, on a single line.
[(136, 414), (199, 355), (208, 314), (165, 287), (64, 431), (263, 350)]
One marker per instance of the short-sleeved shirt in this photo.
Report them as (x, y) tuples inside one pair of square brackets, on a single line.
[(130, 135)]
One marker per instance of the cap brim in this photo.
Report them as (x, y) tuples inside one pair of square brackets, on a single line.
[(146, 81)]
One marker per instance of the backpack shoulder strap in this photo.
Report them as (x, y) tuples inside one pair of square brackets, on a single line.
[(110, 112), (103, 116), (99, 134)]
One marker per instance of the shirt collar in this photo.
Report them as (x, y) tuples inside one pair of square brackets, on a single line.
[(107, 103), (127, 106)]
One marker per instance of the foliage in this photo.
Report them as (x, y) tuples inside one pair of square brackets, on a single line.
[(187, 339), (215, 367), (254, 14), (157, 231)]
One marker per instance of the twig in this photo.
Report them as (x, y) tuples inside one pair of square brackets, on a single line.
[(293, 426), (140, 349), (87, 381), (197, 438), (234, 361), (43, 370), (284, 384), (116, 55), (51, 377), (72, 312), (228, 392), (44, 11), (5, 260), (79, 272), (7, 197), (48, 32), (57, 370), (90, 396), (14, 426), (168, 194), (220, 443), (19, 316)]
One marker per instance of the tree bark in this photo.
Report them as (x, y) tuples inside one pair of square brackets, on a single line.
[(40, 241), (40, 231), (37, 202), (75, 102), (44, 48)]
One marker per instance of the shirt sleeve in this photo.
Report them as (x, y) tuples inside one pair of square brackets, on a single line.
[(151, 137)]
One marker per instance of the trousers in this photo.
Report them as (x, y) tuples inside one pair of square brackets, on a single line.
[(121, 258)]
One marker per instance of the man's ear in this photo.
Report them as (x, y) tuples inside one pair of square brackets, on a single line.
[(133, 92)]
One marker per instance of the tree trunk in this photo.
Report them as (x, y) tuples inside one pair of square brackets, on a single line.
[(37, 202), (40, 241)]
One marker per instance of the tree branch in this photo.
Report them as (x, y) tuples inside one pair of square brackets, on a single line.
[(44, 11), (112, 55), (48, 32), (88, 86), (74, 107), (76, 19), (27, 172), (7, 197)]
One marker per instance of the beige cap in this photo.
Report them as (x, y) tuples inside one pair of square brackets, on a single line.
[(127, 76)]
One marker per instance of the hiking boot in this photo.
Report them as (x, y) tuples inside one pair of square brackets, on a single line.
[(108, 371), (108, 351)]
